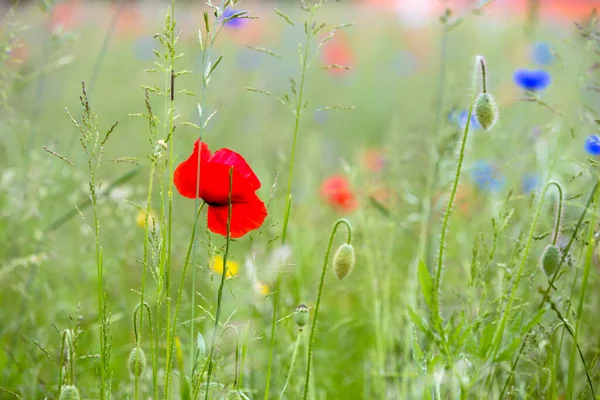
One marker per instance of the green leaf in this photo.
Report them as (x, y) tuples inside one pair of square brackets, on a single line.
[(425, 282), (417, 320)]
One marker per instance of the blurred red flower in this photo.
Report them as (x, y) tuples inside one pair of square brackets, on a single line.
[(66, 15), (248, 212), (336, 191), (337, 51)]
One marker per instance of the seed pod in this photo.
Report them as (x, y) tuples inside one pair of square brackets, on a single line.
[(301, 315), (550, 259), (137, 362), (343, 261), (486, 110), (69, 393)]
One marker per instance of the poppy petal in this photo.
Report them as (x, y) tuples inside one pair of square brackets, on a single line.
[(245, 217), (216, 185), (185, 176), (231, 158)]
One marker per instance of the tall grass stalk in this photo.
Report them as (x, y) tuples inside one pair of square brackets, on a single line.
[(288, 196)]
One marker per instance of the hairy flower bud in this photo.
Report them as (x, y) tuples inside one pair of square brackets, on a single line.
[(486, 110), (550, 259), (343, 261), (137, 362)]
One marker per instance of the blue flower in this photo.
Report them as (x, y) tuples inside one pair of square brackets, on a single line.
[(233, 23), (532, 80), (487, 177), (529, 182), (460, 118), (592, 145), (542, 53)]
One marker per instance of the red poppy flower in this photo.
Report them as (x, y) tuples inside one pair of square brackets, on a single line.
[(337, 51), (336, 191), (247, 211)]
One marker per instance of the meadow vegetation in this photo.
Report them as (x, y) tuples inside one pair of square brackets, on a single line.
[(304, 200)]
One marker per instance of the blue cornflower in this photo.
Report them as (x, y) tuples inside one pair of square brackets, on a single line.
[(532, 80), (233, 23), (592, 145), (486, 176), (542, 53), (460, 118), (529, 182)]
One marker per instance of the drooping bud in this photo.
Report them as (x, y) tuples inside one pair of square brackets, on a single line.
[(550, 259), (137, 362), (69, 393), (486, 110), (343, 261), (301, 315)]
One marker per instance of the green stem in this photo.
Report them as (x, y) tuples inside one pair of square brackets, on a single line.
[(437, 318), (292, 363), (324, 269), (221, 286), (145, 257), (308, 32), (100, 289), (170, 100), (180, 295)]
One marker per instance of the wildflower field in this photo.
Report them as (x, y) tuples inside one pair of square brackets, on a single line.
[(299, 200)]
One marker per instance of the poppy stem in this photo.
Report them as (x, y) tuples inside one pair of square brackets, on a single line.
[(292, 364), (322, 281), (220, 292), (436, 314)]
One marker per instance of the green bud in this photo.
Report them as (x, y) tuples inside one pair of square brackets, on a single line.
[(69, 393), (550, 259), (343, 261), (137, 362), (486, 110), (301, 315)]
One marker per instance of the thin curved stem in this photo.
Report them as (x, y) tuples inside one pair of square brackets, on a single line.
[(292, 364), (324, 269), (438, 274)]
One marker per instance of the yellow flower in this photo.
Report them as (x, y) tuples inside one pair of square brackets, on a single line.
[(262, 288), (216, 266), (140, 220)]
